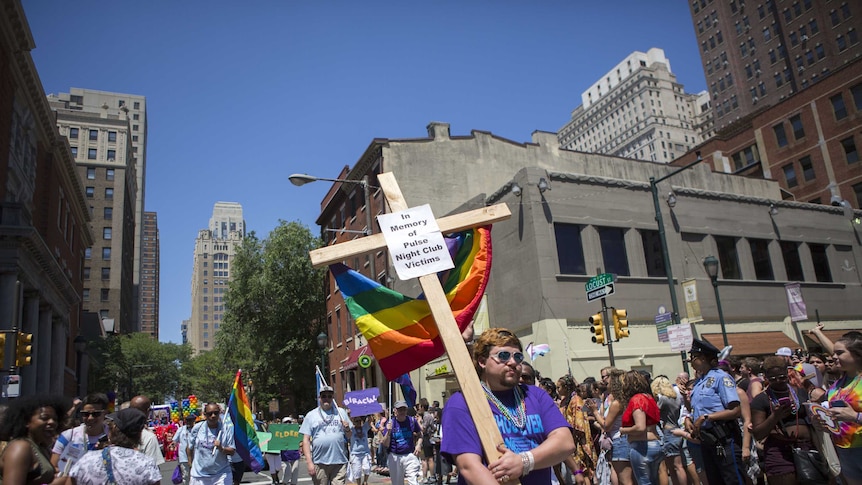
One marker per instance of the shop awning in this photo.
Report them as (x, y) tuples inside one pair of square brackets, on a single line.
[(352, 361), (752, 343)]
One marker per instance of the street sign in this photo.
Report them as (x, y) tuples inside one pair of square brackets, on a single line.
[(662, 321), (598, 281), (601, 292)]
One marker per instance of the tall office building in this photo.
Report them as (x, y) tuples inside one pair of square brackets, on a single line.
[(132, 109), (101, 144), (215, 248), (150, 275), (756, 54), (638, 110)]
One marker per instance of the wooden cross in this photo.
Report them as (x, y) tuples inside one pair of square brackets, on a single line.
[(450, 334)]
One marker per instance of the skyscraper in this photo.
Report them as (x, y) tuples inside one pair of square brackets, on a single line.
[(755, 54), (638, 110), (129, 110), (150, 275), (215, 248), (102, 146)]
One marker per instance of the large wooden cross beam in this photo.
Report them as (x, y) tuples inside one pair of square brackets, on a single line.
[(450, 335)]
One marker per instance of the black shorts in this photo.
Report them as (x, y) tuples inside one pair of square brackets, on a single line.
[(427, 448)]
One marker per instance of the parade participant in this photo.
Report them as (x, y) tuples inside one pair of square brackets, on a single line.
[(326, 431), (290, 460), (845, 406), (536, 436), (30, 426), (669, 401), (210, 445), (119, 462), (360, 453), (181, 438), (72, 444), (528, 374), (403, 439), (149, 442), (427, 423), (639, 426), (609, 417), (585, 458), (715, 409)]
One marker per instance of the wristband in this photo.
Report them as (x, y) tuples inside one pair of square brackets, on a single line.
[(527, 462), (859, 417)]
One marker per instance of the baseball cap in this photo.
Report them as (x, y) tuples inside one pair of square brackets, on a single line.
[(784, 352), (287, 419), (326, 389), (129, 421), (400, 404)]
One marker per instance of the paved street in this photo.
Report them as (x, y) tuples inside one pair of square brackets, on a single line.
[(263, 477)]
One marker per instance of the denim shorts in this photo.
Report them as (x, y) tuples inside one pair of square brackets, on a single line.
[(671, 445), (620, 450)]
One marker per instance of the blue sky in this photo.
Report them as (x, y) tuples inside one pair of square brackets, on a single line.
[(242, 94)]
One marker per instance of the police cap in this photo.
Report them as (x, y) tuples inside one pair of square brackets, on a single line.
[(703, 347)]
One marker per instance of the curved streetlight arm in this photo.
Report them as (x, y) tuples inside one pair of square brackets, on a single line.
[(300, 179)]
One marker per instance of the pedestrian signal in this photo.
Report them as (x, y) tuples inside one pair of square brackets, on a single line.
[(598, 328), (23, 349), (621, 324)]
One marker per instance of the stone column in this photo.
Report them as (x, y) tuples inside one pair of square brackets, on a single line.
[(58, 353), (30, 324), (43, 344), (8, 294)]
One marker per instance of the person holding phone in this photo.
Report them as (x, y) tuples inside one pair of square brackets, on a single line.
[(845, 407), (779, 416)]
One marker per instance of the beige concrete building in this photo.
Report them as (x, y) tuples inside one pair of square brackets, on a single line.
[(638, 110), (101, 145), (150, 275), (215, 248), (596, 215), (133, 109)]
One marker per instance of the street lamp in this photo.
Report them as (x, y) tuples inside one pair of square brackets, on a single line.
[(321, 342), (653, 185), (710, 264)]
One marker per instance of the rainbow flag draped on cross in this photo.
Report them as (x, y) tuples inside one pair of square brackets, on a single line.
[(245, 436), (400, 330)]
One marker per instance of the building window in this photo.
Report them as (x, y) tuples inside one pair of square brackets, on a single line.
[(88, 253), (851, 154), (112, 154), (728, 258), (780, 135), (137, 105), (135, 138), (105, 294), (798, 129), (821, 262), (106, 232), (653, 255), (90, 191), (857, 189), (792, 263), (613, 241), (86, 274), (112, 136), (106, 253), (134, 127), (91, 173), (760, 256), (85, 295), (856, 92), (109, 193), (807, 168), (838, 106), (790, 175), (109, 174), (94, 135), (74, 152), (109, 213), (73, 133), (106, 273), (91, 154), (570, 250)]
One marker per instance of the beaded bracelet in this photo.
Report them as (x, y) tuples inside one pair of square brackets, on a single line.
[(527, 462)]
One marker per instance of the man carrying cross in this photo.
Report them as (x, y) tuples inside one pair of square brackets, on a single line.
[(536, 436)]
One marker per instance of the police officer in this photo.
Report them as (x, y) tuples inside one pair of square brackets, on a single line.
[(715, 410)]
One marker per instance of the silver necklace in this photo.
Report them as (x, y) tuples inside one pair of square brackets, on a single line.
[(517, 416)]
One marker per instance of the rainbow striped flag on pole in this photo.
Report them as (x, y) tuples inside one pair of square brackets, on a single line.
[(400, 330), (245, 436)]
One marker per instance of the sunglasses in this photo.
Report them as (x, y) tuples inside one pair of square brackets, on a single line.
[(503, 356), (87, 414), (777, 378), (326, 396), (212, 413)]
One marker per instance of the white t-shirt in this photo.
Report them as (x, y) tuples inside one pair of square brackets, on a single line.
[(130, 467), (73, 444)]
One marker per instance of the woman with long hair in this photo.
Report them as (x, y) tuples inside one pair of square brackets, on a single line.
[(30, 425), (845, 406), (639, 425), (610, 420), (669, 402)]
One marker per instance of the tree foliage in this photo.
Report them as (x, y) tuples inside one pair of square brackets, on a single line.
[(274, 310)]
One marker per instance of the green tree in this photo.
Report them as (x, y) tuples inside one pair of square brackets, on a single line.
[(274, 310), (208, 376)]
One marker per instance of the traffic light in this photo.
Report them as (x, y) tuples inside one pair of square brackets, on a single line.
[(598, 328), (621, 325), (23, 349)]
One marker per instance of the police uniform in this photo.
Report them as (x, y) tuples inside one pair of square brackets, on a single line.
[(721, 441)]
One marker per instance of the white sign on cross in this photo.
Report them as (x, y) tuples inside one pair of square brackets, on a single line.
[(450, 335)]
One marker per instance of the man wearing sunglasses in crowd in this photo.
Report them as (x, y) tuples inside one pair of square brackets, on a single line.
[(73, 443), (535, 434), (210, 444)]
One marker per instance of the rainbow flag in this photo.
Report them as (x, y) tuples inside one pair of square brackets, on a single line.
[(400, 330), (245, 436)]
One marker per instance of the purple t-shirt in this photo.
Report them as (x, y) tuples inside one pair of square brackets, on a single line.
[(402, 435), (543, 416)]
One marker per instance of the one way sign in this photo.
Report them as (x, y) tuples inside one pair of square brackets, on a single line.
[(600, 292)]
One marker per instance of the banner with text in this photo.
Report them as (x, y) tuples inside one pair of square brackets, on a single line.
[(692, 306), (795, 302), (363, 402), (280, 437)]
